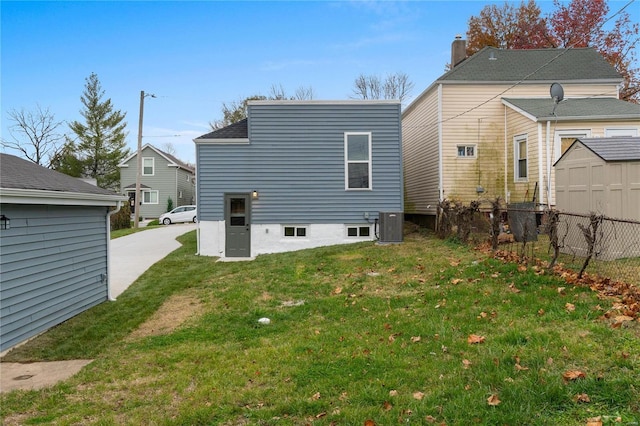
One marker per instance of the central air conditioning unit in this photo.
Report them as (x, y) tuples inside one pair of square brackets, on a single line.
[(391, 227)]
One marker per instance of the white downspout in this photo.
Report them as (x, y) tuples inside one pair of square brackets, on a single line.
[(506, 161), (540, 167), (548, 136), (109, 214), (440, 177)]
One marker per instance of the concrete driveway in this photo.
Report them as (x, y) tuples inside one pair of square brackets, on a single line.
[(132, 255)]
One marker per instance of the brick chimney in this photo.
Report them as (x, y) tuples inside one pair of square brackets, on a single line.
[(458, 50)]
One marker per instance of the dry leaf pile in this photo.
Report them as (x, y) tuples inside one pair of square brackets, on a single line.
[(626, 297)]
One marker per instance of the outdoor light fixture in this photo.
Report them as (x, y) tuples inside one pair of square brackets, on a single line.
[(254, 194), (5, 222)]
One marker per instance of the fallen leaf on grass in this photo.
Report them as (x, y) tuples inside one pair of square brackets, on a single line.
[(455, 281), (337, 290), (475, 339), (573, 375), (493, 400), (622, 318), (519, 367), (561, 290), (482, 315), (513, 288), (315, 396), (570, 307), (430, 419), (393, 393), (583, 397), (466, 363), (418, 395), (387, 406), (594, 421), (415, 339), (454, 262), (369, 423)]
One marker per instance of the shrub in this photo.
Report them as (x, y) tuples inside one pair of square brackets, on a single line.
[(122, 219)]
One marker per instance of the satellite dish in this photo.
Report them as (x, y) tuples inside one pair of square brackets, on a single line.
[(557, 92)]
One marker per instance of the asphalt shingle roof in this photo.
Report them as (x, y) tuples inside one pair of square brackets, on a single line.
[(18, 173), (509, 65), (615, 148), (590, 108), (238, 130)]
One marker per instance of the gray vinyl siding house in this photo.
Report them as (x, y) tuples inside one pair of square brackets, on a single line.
[(54, 252), (163, 177), (281, 176)]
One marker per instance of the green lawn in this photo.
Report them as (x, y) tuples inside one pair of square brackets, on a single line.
[(358, 332)]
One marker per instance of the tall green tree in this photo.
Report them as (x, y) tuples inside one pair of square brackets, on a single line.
[(100, 141)]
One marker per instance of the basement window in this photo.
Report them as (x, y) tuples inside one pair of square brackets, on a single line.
[(295, 231), (358, 231)]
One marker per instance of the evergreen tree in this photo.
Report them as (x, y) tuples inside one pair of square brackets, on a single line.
[(100, 144)]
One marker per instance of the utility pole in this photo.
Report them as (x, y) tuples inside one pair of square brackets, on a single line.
[(138, 200)]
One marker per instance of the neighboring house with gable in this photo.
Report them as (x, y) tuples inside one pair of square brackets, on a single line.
[(489, 128), (163, 176), (299, 174), (54, 247)]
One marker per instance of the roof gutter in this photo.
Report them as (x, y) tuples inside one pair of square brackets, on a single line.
[(61, 198)]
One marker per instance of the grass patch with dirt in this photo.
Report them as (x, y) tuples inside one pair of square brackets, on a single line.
[(422, 332)]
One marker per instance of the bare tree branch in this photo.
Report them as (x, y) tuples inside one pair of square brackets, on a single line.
[(34, 134)]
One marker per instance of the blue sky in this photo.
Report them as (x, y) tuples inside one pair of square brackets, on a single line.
[(196, 55)]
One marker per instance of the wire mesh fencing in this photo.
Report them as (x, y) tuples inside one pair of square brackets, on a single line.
[(585, 243)]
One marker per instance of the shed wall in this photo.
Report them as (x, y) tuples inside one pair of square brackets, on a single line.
[(53, 265)]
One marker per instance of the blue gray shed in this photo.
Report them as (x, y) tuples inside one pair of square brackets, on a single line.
[(54, 248)]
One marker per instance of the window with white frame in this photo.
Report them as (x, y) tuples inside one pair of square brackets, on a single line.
[(359, 231), (147, 166), (620, 131), (149, 197), (564, 138), (521, 172), (294, 231), (357, 153), (466, 151)]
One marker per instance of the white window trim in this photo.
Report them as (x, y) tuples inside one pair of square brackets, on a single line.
[(150, 191), (346, 231), (620, 131), (347, 162), (475, 150), (153, 166), (569, 133), (516, 158), (295, 231)]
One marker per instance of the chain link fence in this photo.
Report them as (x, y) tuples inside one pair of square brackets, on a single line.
[(585, 243)]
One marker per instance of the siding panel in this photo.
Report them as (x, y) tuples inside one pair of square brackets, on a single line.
[(296, 162), (53, 266)]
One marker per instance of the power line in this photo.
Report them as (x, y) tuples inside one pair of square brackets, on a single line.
[(525, 78)]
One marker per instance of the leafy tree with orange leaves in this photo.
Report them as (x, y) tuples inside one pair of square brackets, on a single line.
[(580, 23)]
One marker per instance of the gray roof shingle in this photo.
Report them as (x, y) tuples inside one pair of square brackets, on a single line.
[(238, 130), (509, 65), (17, 173), (576, 108), (615, 148)]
